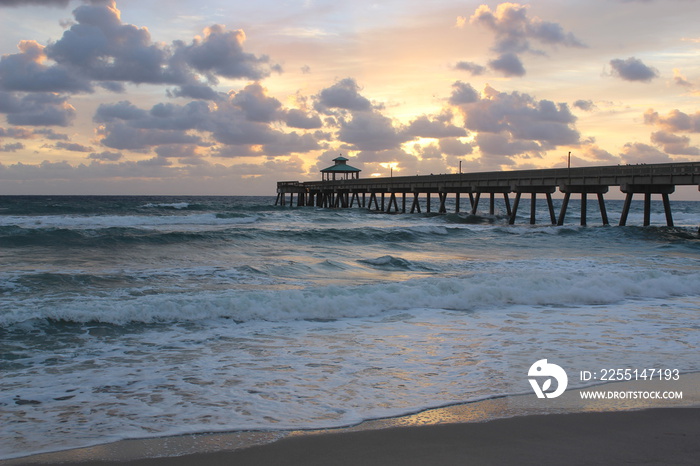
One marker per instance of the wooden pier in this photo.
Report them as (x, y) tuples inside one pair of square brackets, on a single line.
[(390, 194)]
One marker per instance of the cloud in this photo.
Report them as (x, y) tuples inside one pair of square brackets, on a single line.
[(125, 137), (73, 147), (424, 127), (515, 32), (102, 48), (514, 123), (244, 123), (127, 127), (256, 104), (371, 131), (680, 80), (344, 95), (632, 69), (182, 151), (598, 156), (463, 93), (508, 64), (12, 147), (455, 147), (99, 49), (55, 3), (220, 53), (672, 144), (16, 133), (492, 144), (643, 153), (123, 110), (37, 109), (585, 105), (296, 118), (106, 156), (674, 121), (49, 133), (194, 91), (474, 68), (26, 71)]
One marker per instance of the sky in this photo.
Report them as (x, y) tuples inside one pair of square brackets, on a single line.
[(228, 97)]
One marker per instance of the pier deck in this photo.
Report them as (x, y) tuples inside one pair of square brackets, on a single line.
[(644, 179)]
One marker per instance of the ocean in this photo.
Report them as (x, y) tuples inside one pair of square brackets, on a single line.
[(133, 316)]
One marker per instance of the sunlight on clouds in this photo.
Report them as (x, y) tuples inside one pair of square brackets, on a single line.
[(283, 91)]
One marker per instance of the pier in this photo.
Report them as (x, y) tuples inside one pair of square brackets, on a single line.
[(399, 194)]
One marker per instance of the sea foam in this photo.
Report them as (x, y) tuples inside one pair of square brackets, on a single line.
[(479, 291)]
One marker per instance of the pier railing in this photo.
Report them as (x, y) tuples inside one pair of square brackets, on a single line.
[(645, 179)]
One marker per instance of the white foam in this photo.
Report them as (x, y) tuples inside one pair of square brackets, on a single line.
[(172, 205), (123, 221), (218, 376), (566, 284)]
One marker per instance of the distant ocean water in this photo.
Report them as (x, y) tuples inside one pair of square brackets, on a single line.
[(128, 317)]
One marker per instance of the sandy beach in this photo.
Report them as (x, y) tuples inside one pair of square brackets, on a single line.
[(655, 436), (565, 430)]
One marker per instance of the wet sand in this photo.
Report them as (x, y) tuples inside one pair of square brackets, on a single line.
[(567, 430)]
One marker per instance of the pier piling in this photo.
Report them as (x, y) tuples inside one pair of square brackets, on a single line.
[(647, 179)]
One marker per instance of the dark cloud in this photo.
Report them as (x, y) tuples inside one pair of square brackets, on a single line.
[(122, 136), (585, 105), (195, 91), (246, 119), (492, 144), (26, 71), (344, 95), (54, 3), (672, 144), (424, 127), (675, 121), (595, 155), (632, 69), (73, 147), (37, 109), (112, 86), (220, 53), (168, 116), (49, 133), (515, 31), (16, 133), (123, 110), (106, 156), (296, 118), (371, 131), (643, 153), (98, 49), (473, 68), (463, 93), (455, 147), (431, 151), (256, 104), (515, 123), (508, 64), (102, 48), (12, 147)]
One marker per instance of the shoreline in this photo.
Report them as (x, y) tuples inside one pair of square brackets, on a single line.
[(522, 413)]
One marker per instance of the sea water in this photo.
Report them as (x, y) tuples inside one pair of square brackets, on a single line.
[(130, 317)]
